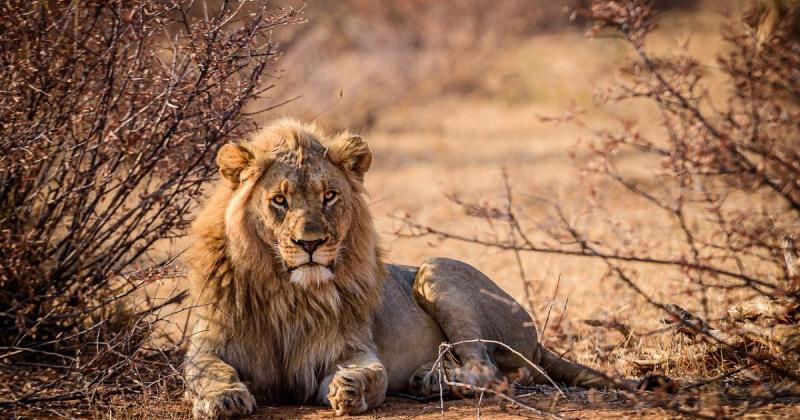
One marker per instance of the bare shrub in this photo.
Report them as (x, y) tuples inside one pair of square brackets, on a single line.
[(111, 115), (723, 175)]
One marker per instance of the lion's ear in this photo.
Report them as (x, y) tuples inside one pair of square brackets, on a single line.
[(232, 160), (352, 153)]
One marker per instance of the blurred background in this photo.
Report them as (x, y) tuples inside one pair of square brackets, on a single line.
[(449, 93), (355, 62)]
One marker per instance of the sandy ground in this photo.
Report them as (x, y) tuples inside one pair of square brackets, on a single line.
[(577, 404), (395, 408)]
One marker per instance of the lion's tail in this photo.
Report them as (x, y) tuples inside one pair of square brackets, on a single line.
[(562, 371)]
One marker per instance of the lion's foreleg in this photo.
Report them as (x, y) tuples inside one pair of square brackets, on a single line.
[(358, 383), (213, 386)]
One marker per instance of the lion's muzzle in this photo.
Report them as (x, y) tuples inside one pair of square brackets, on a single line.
[(309, 246), (310, 259)]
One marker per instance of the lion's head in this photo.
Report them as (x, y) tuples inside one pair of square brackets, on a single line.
[(299, 193)]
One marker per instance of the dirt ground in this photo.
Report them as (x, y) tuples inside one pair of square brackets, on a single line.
[(577, 404), (400, 409)]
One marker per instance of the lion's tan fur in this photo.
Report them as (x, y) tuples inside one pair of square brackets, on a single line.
[(247, 314)]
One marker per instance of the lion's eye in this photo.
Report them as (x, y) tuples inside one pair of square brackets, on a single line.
[(329, 197), (279, 200)]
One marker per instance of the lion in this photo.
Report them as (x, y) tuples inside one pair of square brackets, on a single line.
[(295, 303)]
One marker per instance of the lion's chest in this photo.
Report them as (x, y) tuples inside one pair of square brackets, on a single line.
[(286, 363)]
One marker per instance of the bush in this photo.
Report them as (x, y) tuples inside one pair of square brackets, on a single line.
[(112, 114)]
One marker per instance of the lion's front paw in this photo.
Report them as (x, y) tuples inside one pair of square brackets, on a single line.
[(346, 392), (230, 402)]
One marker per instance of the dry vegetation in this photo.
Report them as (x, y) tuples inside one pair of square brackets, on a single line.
[(112, 113), (597, 180)]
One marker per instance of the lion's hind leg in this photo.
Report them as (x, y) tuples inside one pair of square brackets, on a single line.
[(429, 380), (475, 315), (449, 379), (473, 312)]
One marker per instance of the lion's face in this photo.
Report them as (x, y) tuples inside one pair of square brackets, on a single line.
[(305, 214), (300, 200)]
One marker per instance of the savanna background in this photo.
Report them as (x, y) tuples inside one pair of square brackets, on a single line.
[(579, 153)]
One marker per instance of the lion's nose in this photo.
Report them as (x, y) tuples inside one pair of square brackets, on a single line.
[(309, 246)]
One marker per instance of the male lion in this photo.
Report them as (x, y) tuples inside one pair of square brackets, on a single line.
[(295, 304)]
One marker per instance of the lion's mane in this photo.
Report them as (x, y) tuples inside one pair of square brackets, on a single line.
[(278, 335)]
